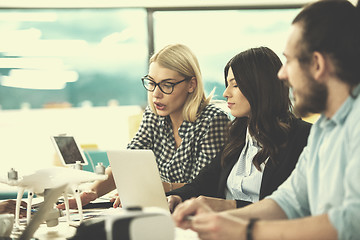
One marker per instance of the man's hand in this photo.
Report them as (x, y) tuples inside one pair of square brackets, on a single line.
[(187, 209), (86, 198), (218, 204), (195, 214), (221, 226)]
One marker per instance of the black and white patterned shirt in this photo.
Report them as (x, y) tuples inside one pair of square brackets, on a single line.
[(201, 141)]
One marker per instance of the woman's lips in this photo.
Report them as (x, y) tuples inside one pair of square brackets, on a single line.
[(159, 106), (230, 104)]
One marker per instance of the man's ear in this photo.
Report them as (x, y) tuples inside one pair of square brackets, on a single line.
[(192, 85), (319, 66)]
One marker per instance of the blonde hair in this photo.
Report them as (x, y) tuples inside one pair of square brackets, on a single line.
[(180, 58)]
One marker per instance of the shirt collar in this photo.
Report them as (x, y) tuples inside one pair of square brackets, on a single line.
[(165, 124), (163, 120), (342, 113), (250, 139)]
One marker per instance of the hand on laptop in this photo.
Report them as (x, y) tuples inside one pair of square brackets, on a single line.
[(86, 198), (116, 201), (173, 201)]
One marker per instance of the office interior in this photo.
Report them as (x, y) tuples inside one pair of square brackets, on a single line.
[(74, 67)]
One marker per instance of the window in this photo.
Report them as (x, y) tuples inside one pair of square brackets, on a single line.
[(217, 36), (96, 57), (50, 57)]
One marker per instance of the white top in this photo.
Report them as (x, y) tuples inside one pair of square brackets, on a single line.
[(244, 180)]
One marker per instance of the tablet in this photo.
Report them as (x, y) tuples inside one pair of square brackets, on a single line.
[(68, 150)]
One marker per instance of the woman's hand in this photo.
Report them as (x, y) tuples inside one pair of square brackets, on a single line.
[(86, 198), (9, 206), (173, 201), (116, 201), (167, 186)]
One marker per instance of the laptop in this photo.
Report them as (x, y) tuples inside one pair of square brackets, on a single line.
[(137, 178)]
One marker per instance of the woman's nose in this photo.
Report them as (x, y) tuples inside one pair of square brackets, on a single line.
[(282, 73), (225, 93), (157, 92)]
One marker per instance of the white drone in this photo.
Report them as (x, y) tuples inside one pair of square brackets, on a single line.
[(50, 178)]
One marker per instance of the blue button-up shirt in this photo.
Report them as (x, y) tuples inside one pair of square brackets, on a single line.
[(326, 179)]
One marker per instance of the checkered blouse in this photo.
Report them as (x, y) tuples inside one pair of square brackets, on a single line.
[(201, 141)]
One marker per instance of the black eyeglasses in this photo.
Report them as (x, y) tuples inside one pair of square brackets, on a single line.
[(164, 86)]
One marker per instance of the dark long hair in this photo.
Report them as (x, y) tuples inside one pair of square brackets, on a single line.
[(255, 71)]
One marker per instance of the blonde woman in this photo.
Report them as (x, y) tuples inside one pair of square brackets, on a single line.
[(180, 126)]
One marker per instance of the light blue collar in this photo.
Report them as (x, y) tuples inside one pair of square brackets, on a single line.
[(342, 113)]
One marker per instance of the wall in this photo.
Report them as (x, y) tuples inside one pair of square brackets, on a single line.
[(25, 134)]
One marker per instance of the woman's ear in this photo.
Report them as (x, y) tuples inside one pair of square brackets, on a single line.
[(192, 85)]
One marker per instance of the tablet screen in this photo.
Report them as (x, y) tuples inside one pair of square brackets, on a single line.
[(69, 150)]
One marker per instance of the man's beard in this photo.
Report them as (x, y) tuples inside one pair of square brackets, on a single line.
[(311, 100)]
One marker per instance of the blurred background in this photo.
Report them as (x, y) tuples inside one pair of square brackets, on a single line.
[(75, 68)]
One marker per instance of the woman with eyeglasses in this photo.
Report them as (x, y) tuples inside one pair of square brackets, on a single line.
[(184, 131), (265, 138), (180, 126)]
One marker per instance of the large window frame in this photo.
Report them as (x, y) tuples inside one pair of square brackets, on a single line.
[(28, 131), (157, 6), (244, 6)]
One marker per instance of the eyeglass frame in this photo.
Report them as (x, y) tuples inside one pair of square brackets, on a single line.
[(158, 84)]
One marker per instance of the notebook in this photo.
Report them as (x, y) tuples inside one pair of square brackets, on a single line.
[(137, 178)]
